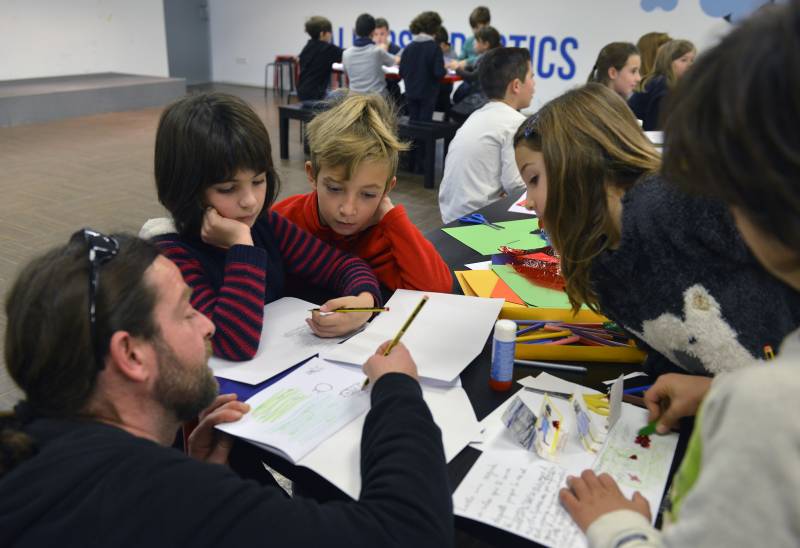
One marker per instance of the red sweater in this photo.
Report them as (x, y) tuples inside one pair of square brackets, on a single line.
[(395, 249)]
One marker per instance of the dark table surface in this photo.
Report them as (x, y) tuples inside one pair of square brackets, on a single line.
[(475, 381)]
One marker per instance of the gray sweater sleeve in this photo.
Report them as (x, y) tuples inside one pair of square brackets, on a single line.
[(746, 492)]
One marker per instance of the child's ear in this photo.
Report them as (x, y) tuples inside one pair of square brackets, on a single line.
[(390, 186), (310, 175), (612, 73)]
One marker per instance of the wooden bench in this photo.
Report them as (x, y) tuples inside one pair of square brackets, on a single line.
[(291, 112), (428, 133)]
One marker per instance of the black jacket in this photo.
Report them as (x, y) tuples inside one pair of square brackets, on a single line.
[(421, 68), (646, 105), (92, 484), (315, 69)]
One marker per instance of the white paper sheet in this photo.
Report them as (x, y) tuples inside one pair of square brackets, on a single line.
[(509, 492), (303, 409), (449, 332), (651, 465), (626, 377), (519, 205), (338, 459), (656, 137), (482, 265), (286, 340)]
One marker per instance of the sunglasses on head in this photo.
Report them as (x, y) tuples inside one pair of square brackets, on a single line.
[(101, 249)]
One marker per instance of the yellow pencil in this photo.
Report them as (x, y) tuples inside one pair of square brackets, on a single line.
[(403, 329), (547, 335), (384, 309)]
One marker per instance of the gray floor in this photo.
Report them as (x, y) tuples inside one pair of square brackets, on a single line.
[(96, 171)]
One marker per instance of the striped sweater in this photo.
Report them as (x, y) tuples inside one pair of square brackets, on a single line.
[(232, 286)]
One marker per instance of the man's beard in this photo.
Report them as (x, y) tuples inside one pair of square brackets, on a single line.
[(184, 389)]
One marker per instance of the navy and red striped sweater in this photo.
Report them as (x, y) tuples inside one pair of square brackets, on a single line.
[(232, 286)]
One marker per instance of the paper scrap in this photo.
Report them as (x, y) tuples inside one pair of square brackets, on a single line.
[(532, 294), (482, 265), (487, 240), (519, 205)]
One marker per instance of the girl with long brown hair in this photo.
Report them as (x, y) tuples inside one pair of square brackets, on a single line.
[(668, 267), (672, 60)]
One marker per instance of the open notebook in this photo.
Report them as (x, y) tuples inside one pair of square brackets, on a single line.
[(305, 408)]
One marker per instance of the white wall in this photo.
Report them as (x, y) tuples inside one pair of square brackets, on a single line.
[(60, 37), (246, 34)]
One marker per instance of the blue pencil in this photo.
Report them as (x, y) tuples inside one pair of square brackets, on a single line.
[(637, 389), (533, 327)]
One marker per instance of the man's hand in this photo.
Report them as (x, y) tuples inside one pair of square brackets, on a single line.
[(208, 444), (220, 232), (341, 323), (398, 361), (589, 497), (674, 396)]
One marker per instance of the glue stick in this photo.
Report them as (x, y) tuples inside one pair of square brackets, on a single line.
[(505, 334)]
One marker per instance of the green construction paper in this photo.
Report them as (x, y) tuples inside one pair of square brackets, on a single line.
[(532, 294), (487, 240)]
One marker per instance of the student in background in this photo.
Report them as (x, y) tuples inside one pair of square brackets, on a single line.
[(648, 45), (422, 66), (364, 61), (738, 482), (381, 36), (486, 38), (214, 174), (668, 267), (673, 60), (479, 18), (617, 67), (354, 154), (443, 102), (86, 457), (316, 59), (479, 168)]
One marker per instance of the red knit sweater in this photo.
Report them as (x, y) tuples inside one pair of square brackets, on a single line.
[(395, 249)]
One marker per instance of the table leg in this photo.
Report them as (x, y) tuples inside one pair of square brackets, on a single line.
[(284, 136), (430, 162)]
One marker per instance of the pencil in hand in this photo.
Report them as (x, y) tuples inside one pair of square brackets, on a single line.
[(400, 333)]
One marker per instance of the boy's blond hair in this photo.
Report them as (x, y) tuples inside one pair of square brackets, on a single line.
[(355, 129)]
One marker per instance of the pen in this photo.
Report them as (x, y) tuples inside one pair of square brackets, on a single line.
[(553, 366), (400, 333), (768, 353), (384, 309)]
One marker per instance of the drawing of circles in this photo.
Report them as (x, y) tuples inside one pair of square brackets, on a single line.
[(323, 387)]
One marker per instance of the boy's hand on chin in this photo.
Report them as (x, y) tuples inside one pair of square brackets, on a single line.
[(384, 207)]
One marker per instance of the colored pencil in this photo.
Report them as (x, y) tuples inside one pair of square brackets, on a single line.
[(383, 309), (637, 389), (553, 366)]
